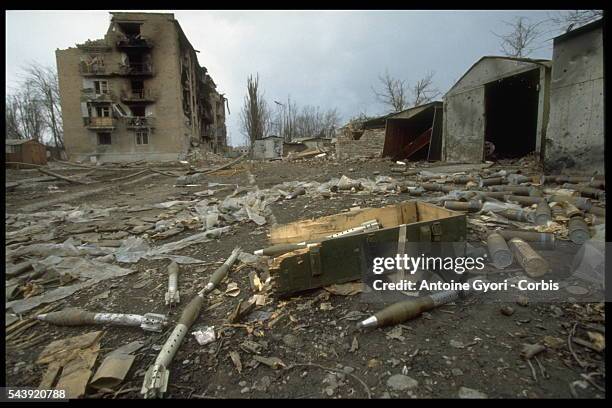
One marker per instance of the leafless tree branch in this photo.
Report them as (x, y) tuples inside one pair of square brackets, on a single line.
[(520, 40)]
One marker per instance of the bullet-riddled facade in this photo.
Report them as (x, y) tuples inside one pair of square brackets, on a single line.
[(138, 94)]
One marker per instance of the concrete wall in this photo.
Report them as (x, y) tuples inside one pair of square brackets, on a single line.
[(170, 138), (370, 144), (269, 148), (464, 108), (575, 136)]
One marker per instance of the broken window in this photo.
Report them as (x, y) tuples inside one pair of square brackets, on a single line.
[(138, 110), (131, 30), (104, 138), (103, 111), (101, 87), (142, 137)]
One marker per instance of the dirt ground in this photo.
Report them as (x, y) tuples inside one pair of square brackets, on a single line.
[(467, 344)]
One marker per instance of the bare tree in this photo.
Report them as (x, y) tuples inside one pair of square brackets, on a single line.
[(571, 19), (24, 114), (44, 83), (424, 90), (393, 92), (284, 122), (255, 115), (520, 40)]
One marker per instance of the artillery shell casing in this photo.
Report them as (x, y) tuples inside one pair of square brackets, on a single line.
[(499, 195), (524, 200), (535, 192), (279, 249), (571, 210), (596, 219), (463, 205), (515, 190), (583, 203), (298, 192), (586, 191), (545, 240), (461, 179), (350, 185), (531, 262), (578, 230), (557, 210), (578, 179), (600, 211), (518, 179), (601, 184), (518, 215), (494, 181), (542, 213), (501, 255), (432, 186)]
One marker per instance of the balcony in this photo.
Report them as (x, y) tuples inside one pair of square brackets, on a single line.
[(139, 122), (136, 69), (134, 42), (97, 68), (139, 95), (101, 123), (89, 95)]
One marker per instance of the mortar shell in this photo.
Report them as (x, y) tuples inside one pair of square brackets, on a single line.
[(531, 262), (545, 240), (501, 256), (578, 230)]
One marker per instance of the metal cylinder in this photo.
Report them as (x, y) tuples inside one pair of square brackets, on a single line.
[(535, 192), (499, 195), (493, 181), (471, 206), (571, 210), (118, 319), (515, 190), (462, 179), (518, 215), (531, 262), (172, 295), (501, 256), (601, 184), (557, 210), (578, 230), (433, 187), (524, 200), (518, 178), (600, 211), (297, 192), (542, 213), (545, 240), (578, 179), (583, 203), (586, 191)]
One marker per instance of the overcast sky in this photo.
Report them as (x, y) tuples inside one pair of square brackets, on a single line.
[(329, 59)]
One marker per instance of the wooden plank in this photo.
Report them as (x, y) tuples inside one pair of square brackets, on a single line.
[(313, 229)]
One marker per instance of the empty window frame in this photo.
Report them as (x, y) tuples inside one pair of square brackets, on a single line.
[(103, 111), (142, 137), (101, 87), (104, 138)]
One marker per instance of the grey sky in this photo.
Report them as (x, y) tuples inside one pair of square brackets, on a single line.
[(325, 58)]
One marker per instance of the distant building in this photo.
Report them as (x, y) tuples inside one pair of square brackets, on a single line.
[(268, 148), (575, 135), (27, 151), (138, 94)]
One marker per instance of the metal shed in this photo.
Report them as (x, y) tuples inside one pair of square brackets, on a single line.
[(501, 100), (27, 151), (575, 134), (415, 133)]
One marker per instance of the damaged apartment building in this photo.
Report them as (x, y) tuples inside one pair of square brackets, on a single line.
[(138, 94)]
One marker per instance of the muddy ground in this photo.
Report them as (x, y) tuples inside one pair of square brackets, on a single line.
[(469, 343)]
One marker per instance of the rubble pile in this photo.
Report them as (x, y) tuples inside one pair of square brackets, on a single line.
[(156, 261)]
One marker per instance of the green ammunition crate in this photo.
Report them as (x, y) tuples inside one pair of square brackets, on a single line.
[(415, 227)]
